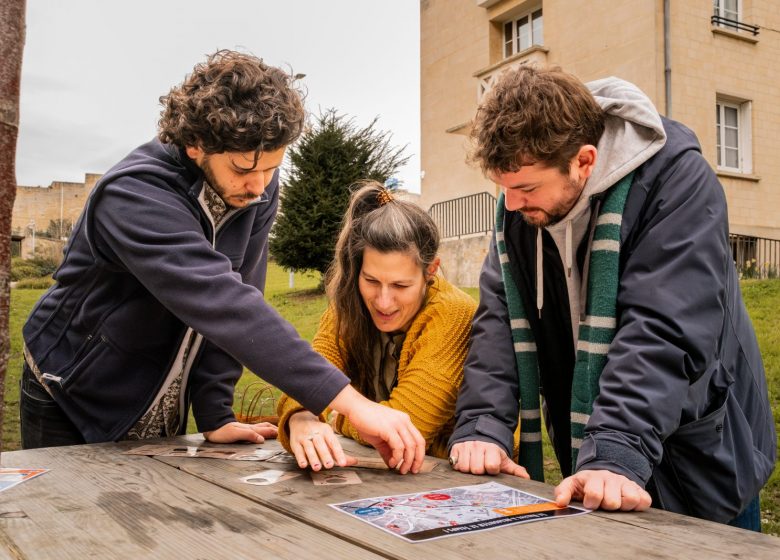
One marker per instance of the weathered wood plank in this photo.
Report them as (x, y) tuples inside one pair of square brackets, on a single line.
[(97, 503), (601, 535)]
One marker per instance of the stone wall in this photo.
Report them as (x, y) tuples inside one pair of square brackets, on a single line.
[(461, 259), (42, 205)]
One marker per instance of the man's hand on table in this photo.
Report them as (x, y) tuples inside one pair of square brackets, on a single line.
[(238, 431), (390, 431), (602, 490), (480, 457)]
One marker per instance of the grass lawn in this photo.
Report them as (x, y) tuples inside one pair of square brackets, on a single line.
[(302, 306)]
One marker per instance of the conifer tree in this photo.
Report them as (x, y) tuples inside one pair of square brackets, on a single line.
[(327, 160)]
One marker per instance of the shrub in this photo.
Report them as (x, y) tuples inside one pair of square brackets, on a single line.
[(32, 268), (44, 282)]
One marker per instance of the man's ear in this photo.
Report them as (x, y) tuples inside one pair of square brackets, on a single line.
[(195, 153), (585, 161)]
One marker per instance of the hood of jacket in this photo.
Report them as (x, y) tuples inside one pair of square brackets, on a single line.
[(633, 133)]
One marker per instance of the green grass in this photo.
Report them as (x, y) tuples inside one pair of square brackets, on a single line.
[(303, 305)]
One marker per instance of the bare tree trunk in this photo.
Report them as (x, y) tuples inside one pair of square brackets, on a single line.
[(11, 46)]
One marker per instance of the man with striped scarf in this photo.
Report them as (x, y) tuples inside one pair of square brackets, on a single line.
[(610, 291)]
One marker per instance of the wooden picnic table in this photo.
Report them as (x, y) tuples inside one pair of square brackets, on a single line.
[(97, 502)]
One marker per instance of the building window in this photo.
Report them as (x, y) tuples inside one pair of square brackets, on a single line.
[(727, 13), (732, 124), (521, 33), (729, 9)]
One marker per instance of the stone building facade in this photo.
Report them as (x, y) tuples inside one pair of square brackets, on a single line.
[(711, 64), (37, 207)]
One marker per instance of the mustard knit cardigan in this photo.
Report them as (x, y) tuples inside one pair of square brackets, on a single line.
[(430, 367)]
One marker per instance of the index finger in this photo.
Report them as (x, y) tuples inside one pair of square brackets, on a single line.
[(563, 492), (419, 450), (336, 451)]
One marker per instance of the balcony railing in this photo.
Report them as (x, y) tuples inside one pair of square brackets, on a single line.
[(466, 215), (734, 24), (536, 54)]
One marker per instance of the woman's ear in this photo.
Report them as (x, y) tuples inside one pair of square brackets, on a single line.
[(432, 269)]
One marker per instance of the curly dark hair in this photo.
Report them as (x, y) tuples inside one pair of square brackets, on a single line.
[(233, 102), (534, 115)]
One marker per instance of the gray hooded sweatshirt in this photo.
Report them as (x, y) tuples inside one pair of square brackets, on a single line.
[(633, 133)]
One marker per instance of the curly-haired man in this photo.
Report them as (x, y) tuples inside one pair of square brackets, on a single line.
[(159, 302), (610, 290)]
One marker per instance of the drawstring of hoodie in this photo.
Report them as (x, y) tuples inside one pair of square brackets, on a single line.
[(539, 272), (569, 260)]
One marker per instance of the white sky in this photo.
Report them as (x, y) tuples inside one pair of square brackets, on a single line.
[(93, 70)]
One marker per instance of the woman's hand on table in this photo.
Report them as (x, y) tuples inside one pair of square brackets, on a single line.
[(315, 444)]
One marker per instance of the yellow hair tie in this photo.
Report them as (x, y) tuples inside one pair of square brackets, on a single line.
[(384, 196)]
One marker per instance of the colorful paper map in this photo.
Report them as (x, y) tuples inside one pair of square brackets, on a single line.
[(453, 511)]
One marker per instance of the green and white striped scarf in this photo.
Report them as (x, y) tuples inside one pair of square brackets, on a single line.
[(595, 332)]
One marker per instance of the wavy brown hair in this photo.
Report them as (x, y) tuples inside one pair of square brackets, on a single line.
[(534, 115), (233, 102), (378, 220)]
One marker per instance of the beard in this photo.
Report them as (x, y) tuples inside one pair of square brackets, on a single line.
[(543, 218), (208, 172)]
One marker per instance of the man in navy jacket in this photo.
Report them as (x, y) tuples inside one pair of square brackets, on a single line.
[(610, 290), (159, 301)]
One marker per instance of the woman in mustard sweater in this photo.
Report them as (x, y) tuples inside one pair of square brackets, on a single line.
[(399, 331)]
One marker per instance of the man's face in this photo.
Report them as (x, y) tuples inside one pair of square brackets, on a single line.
[(234, 175), (544, 195)]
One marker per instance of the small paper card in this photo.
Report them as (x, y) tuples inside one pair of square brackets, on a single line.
[(334, 477), (269, 476), (10, 476)]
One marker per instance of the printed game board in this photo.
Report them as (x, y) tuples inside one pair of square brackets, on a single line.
[(453, 511)]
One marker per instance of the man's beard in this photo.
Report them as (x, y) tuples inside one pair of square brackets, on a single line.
[(219, 189), (557, 212)]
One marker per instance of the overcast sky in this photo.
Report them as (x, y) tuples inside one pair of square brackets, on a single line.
[(93, 70)]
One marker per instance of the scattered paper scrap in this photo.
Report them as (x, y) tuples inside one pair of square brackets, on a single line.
[(322, 478), (269, 476), (233, 453), (377, 463), (10, 476)]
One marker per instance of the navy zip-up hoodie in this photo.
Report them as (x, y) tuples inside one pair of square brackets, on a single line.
[(141, 266)]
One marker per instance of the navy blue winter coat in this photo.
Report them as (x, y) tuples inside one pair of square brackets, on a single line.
[(683, 407), (141, 266)]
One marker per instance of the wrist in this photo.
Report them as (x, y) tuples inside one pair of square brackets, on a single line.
[(347, 400), (302, 416)]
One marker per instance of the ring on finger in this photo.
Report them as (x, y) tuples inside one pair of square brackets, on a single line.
[(453, 460)]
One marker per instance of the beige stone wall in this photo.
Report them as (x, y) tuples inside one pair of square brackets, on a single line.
[(461, 259), (707, 63), (42, 247), (462, 38), (453, 45), (40, 205)]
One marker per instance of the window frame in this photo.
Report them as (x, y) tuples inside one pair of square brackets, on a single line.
[(744, 145), (528, 18)]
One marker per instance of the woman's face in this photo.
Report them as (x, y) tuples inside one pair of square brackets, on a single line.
[(392, 286)]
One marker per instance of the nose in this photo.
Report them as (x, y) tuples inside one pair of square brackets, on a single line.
[(384, 299), (514, 199), (256, 183)]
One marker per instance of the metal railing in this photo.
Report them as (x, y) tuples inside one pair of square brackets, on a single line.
[(755, 257), (734, 24), (466, 215)]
